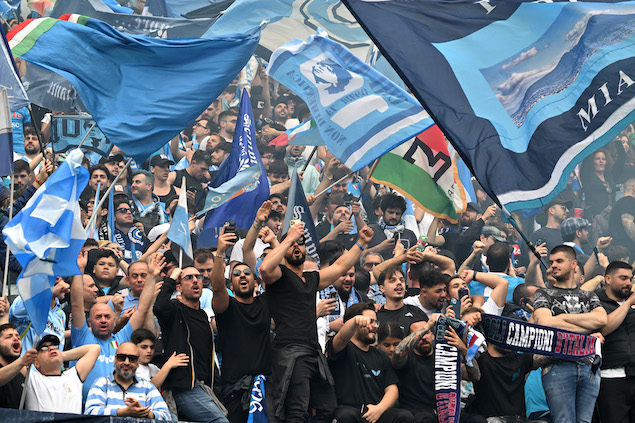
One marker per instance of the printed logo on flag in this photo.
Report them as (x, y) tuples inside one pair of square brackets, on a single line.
[(332, 81)]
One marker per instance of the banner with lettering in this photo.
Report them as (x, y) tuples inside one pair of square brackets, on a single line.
[(257, 404), (67, 131), (518, 335), (524, 90), (447, 375)]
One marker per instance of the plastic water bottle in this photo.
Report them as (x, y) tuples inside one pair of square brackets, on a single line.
[(422, 243)]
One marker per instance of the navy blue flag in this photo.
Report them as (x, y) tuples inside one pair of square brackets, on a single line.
[(298, 209), (523, 90), (447, 375), (68, 131), (51, 90), (241, 209)]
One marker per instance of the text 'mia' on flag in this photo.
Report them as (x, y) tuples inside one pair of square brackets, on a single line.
[(179, 231), (360, 113), (306, 133), (523, 90), (423, 171), (244, 154), (47, 235), (6, 136), (141, 91)]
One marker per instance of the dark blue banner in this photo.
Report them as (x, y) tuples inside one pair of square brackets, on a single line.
[(523, 90), (447, 375), (298, 209), (67, 131)]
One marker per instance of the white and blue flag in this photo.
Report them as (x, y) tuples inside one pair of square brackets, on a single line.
[(245, 181), (47, 235), (360, 113), (179, 231)]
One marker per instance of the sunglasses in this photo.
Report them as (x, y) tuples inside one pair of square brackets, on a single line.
[(130, 357), (191, 277), (49, 347), (369, 264), (238, 272), (123, 210)]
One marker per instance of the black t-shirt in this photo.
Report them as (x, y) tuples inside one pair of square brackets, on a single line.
[(190, 181), (501, 389), (404, 316), (200, 338), (416, 383), (244, 339), (292, 305), (616, 229), (324, 228), (361, 377), (11, 392), (566, 300)]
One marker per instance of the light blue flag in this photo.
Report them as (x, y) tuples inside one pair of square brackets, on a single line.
[(141, 91), (10, 80), (47, 235), (243, 155), (245, 181), (179, 231), (360, 113)]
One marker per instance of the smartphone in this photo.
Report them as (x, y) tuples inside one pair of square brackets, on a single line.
[(294, 222), (230, 227), (364, 409), (405, 243), (456, 306), (463, 292)]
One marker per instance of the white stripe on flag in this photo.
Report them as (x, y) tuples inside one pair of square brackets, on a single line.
[(20, 36), (50, 208)]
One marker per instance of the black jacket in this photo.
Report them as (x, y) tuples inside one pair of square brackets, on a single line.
[(619, 348), (177, 333)]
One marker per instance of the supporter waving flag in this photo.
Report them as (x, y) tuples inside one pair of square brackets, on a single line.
[(360, 113), (141, 91), (47, 235), (179, 231), (524, 90)]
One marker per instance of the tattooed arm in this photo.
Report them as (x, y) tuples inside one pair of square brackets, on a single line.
[(400, 356)]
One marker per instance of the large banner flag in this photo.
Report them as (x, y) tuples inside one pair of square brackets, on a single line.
[(360, 113), (51, 90), (243, 155), (285, 20), (423, 171), (6, 136), (68, 131), (47, 235), (141, 91), (179, 231), (298, 209), (9, 78), (524, 90)]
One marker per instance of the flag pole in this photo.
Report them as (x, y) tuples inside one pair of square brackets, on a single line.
[(180, 257), (5, 275), (531, 246), (86, 135), (309, 159), (103, 197), (36, 339), (333, 184)]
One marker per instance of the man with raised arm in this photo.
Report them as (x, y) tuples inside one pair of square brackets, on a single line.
[(300, 374), (571, 387)]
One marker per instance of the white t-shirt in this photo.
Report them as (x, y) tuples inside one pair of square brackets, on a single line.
[(415, 301), (146, 371), (59, 394), (237, 251)]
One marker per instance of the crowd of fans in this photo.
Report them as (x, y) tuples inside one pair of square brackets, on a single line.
[(348, 338)]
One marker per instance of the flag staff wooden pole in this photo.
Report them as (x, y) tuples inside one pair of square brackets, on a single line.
[(309, 159), (106, 194), (333, 184)]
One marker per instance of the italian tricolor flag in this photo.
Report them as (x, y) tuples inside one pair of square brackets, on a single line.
[(305, 133), (423, 171)]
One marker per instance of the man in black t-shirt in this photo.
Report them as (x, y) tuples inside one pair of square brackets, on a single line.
[(12, 366), (243, 323), (393, 286), (413, 360), (365, 382), (300, 375)]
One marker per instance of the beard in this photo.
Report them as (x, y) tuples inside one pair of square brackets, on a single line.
[(622, 293), (6, 352), (293, 261), (124, 374)]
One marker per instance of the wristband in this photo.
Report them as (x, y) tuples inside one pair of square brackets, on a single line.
[(474, 275), (220, 257), (596, 251), (359, 245), (39, 182)]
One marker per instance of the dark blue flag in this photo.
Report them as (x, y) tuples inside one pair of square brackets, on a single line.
[(298, 209), (68, 131), (523, 90), (244, 154)]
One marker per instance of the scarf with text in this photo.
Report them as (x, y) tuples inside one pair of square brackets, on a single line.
[(447, 375)]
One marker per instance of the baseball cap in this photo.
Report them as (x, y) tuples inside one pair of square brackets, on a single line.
[(52, 339), (474, 206), (112, 158), (494, 232), (569, 226), (160, 159)]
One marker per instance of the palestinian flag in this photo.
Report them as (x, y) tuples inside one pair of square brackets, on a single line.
[(305, 133), (423, 171)]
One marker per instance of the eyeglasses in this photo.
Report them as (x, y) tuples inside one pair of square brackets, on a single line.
[(49, 347), (370, 264), (124, 210), (238, 272), (190, 277), (129, 357)]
